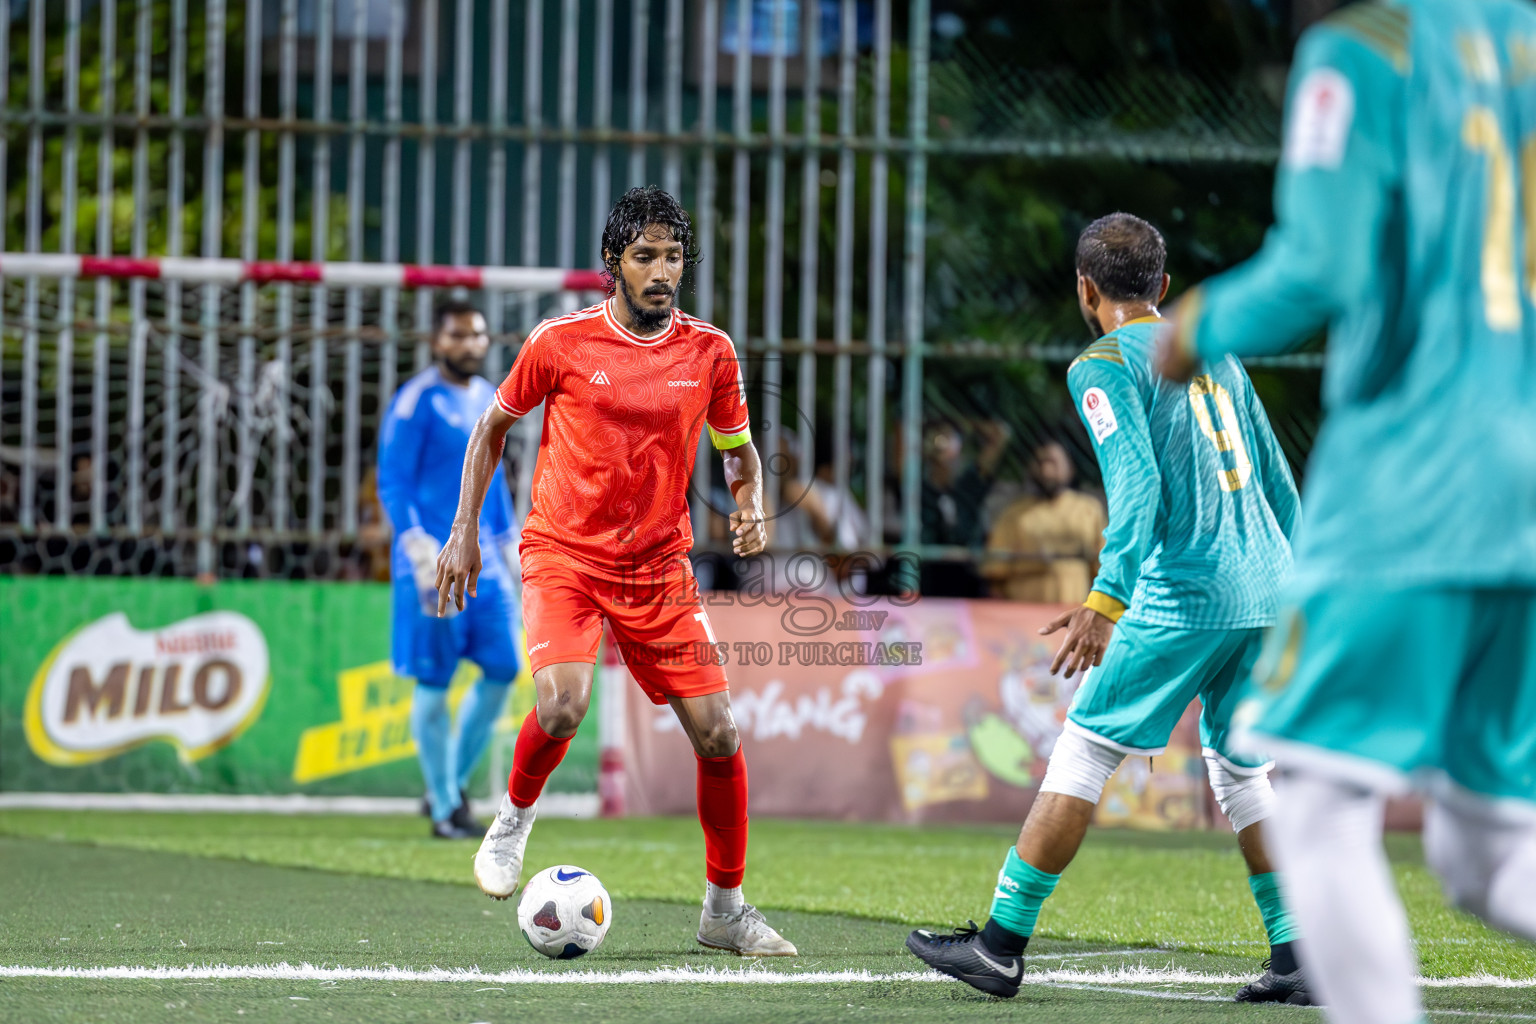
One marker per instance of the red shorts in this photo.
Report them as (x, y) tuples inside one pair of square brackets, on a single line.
[(663, 633)]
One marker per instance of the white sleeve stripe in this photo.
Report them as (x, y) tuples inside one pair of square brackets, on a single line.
[(708, 328), (536, 334), (507, 408), (569, 318), (732, 431)]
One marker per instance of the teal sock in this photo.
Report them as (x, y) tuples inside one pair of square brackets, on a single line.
[(1020, 890), (1277, 918), (478, 712), (429, 728)]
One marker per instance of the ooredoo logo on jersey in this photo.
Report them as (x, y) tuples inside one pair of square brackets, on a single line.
[(108, 687)]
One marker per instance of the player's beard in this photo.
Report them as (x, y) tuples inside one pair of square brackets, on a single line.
[(465, 366), (1092, 320), (646, 319)]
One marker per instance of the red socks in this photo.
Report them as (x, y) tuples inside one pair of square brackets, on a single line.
[(722, 797), (535, 756), (723, 813)]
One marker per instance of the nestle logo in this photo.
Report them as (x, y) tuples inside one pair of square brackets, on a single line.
[(196, 684), (682, 383), (193, 643)]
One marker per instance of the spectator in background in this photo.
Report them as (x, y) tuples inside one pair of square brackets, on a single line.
[(954, 490), (952, 497), (1045, 546), (10, 495), (80, 480), (819, 514), (371, 553), (815, 517)]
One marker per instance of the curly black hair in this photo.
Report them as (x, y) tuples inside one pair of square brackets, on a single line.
[(450, 308), (1123, 256), (637, 210)]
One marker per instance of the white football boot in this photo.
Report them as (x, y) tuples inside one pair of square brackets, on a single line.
[(743, 931), (499, 861)]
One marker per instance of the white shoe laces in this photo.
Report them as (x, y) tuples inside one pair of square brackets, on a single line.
[(748, 917), (502, 853)]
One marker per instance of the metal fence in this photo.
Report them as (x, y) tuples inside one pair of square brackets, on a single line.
[(202, 426)]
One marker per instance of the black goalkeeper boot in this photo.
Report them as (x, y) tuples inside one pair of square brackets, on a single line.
[(964, 954), (426, 807), (463, 819), (449, 830)]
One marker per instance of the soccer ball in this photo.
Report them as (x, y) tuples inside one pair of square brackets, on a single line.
[(565, 912)]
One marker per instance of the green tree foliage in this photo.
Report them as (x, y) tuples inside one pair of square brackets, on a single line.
[(157, 141)]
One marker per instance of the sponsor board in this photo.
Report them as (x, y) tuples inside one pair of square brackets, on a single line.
[(942, 710), (108, 687), (959, 728), (165, 686), (375, 723)]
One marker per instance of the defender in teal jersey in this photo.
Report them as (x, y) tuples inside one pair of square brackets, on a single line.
[(1201, 508), (1406, 654)]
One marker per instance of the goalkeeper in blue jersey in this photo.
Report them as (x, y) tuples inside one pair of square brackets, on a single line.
[(421, 454), (1406, 651), (1201, 509)]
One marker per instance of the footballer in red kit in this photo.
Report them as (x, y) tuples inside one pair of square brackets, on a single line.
[(622, 419), (627, 387)]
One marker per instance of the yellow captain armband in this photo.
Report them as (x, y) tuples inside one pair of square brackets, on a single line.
[(724, 441), (1105, 605)]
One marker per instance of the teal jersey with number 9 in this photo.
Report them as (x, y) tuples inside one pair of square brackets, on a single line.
[(1201, 501), (1406, 223)]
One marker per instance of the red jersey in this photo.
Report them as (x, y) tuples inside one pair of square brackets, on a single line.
[(622, 417)]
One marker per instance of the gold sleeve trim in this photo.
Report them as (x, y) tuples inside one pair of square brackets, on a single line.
[(1108, 357), (1381, 28)]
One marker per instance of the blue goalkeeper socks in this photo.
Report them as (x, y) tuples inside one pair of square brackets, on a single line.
[(1021, 888), (1278, 922), (478, 712), (429, 728)]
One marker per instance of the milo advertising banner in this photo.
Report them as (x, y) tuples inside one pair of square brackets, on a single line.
[(936, 710), (169, 686)]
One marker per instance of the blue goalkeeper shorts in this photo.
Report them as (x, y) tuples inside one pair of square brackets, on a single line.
[(1405, 688), (486, 632)]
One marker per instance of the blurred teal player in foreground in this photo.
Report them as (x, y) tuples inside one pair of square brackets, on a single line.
[(1201, 508), (421, 452), (1406, 651)]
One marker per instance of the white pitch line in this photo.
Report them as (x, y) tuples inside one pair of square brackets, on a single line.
[(561, 805), (1184, 997), (1128, 975), (1099, 952), (516, 976)]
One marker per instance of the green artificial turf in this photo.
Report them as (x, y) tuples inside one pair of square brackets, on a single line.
[(95, 890), (1181, 889)]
